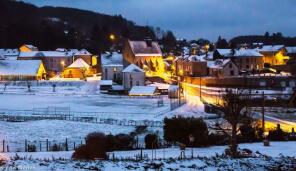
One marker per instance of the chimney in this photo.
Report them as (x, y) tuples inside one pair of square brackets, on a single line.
[(148, 42)]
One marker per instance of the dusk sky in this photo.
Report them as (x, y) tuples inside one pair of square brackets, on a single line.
[(194, 19)]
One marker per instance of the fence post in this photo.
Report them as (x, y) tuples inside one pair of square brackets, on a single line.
[(40, 146), (3, 148), (7, 148), (74, 145), (46, 144), (26, 145), (67, 144)]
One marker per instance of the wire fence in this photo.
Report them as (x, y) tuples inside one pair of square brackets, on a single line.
[(40, 146)]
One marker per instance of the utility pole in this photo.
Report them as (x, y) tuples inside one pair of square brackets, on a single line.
[(200, 86), (263, 110)]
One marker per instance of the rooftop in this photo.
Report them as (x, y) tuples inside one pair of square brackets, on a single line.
[(19, 67), (111, 59), (141, 48), (143, 91), (132, 68)]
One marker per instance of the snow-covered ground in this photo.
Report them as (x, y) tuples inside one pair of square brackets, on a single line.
[(277, 156)]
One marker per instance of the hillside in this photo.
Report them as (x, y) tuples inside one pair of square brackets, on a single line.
[(275, 38), (53, 27)]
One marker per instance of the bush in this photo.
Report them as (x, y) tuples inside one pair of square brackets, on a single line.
[(248, 133), (31, 148), (141, 129), (123, 142), (217, 139), (278, 134), (55, 147), (151, 141), (98, 144), (178, 129)]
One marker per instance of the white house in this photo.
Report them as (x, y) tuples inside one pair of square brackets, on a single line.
[(112, 66), (133, 76), (222, 68)]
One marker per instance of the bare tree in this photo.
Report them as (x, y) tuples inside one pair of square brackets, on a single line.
[(234, 104)]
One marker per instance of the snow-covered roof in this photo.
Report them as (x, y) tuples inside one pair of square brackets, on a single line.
[(82, 52), (132, 68), (271, 48), (111, 59), (161, 86), (224, 52), (218, 64), (141, 48), (247, 53), (143, 90), (106, 82), (61, 49), (19, 67), (32, 47), (291, 49), (79, 63), (44, 54), (239, 53)]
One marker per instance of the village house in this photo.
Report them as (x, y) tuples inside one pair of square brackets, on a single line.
[(245, 59), (274, 54), (17, 70), (222, 68), (55, 61), (191, 66), (28, 48), (78, 69), (112, 66), (145, 54), (133, 76), (291, 52)]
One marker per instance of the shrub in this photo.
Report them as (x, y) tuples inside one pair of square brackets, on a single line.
[(55, 147), (141, 129), (248, 133), (97, 144), (151, 141), (278, 134), (217, 139), (31, 148), (123, 142), (178, 129)]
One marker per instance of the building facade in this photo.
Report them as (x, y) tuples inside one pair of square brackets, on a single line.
[(133, 76), (145, 54)]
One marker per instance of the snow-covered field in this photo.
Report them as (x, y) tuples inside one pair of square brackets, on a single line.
[(210, 158)]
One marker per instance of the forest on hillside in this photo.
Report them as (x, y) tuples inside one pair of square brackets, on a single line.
[(49, 28)]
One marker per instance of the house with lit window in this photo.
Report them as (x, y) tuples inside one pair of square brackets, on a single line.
[(112, 66), (28, 48), (145, 54), (274, 54), (133, 76), (245, 59), (56, 61), (191, 65), (78, 69), (222, 68)]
